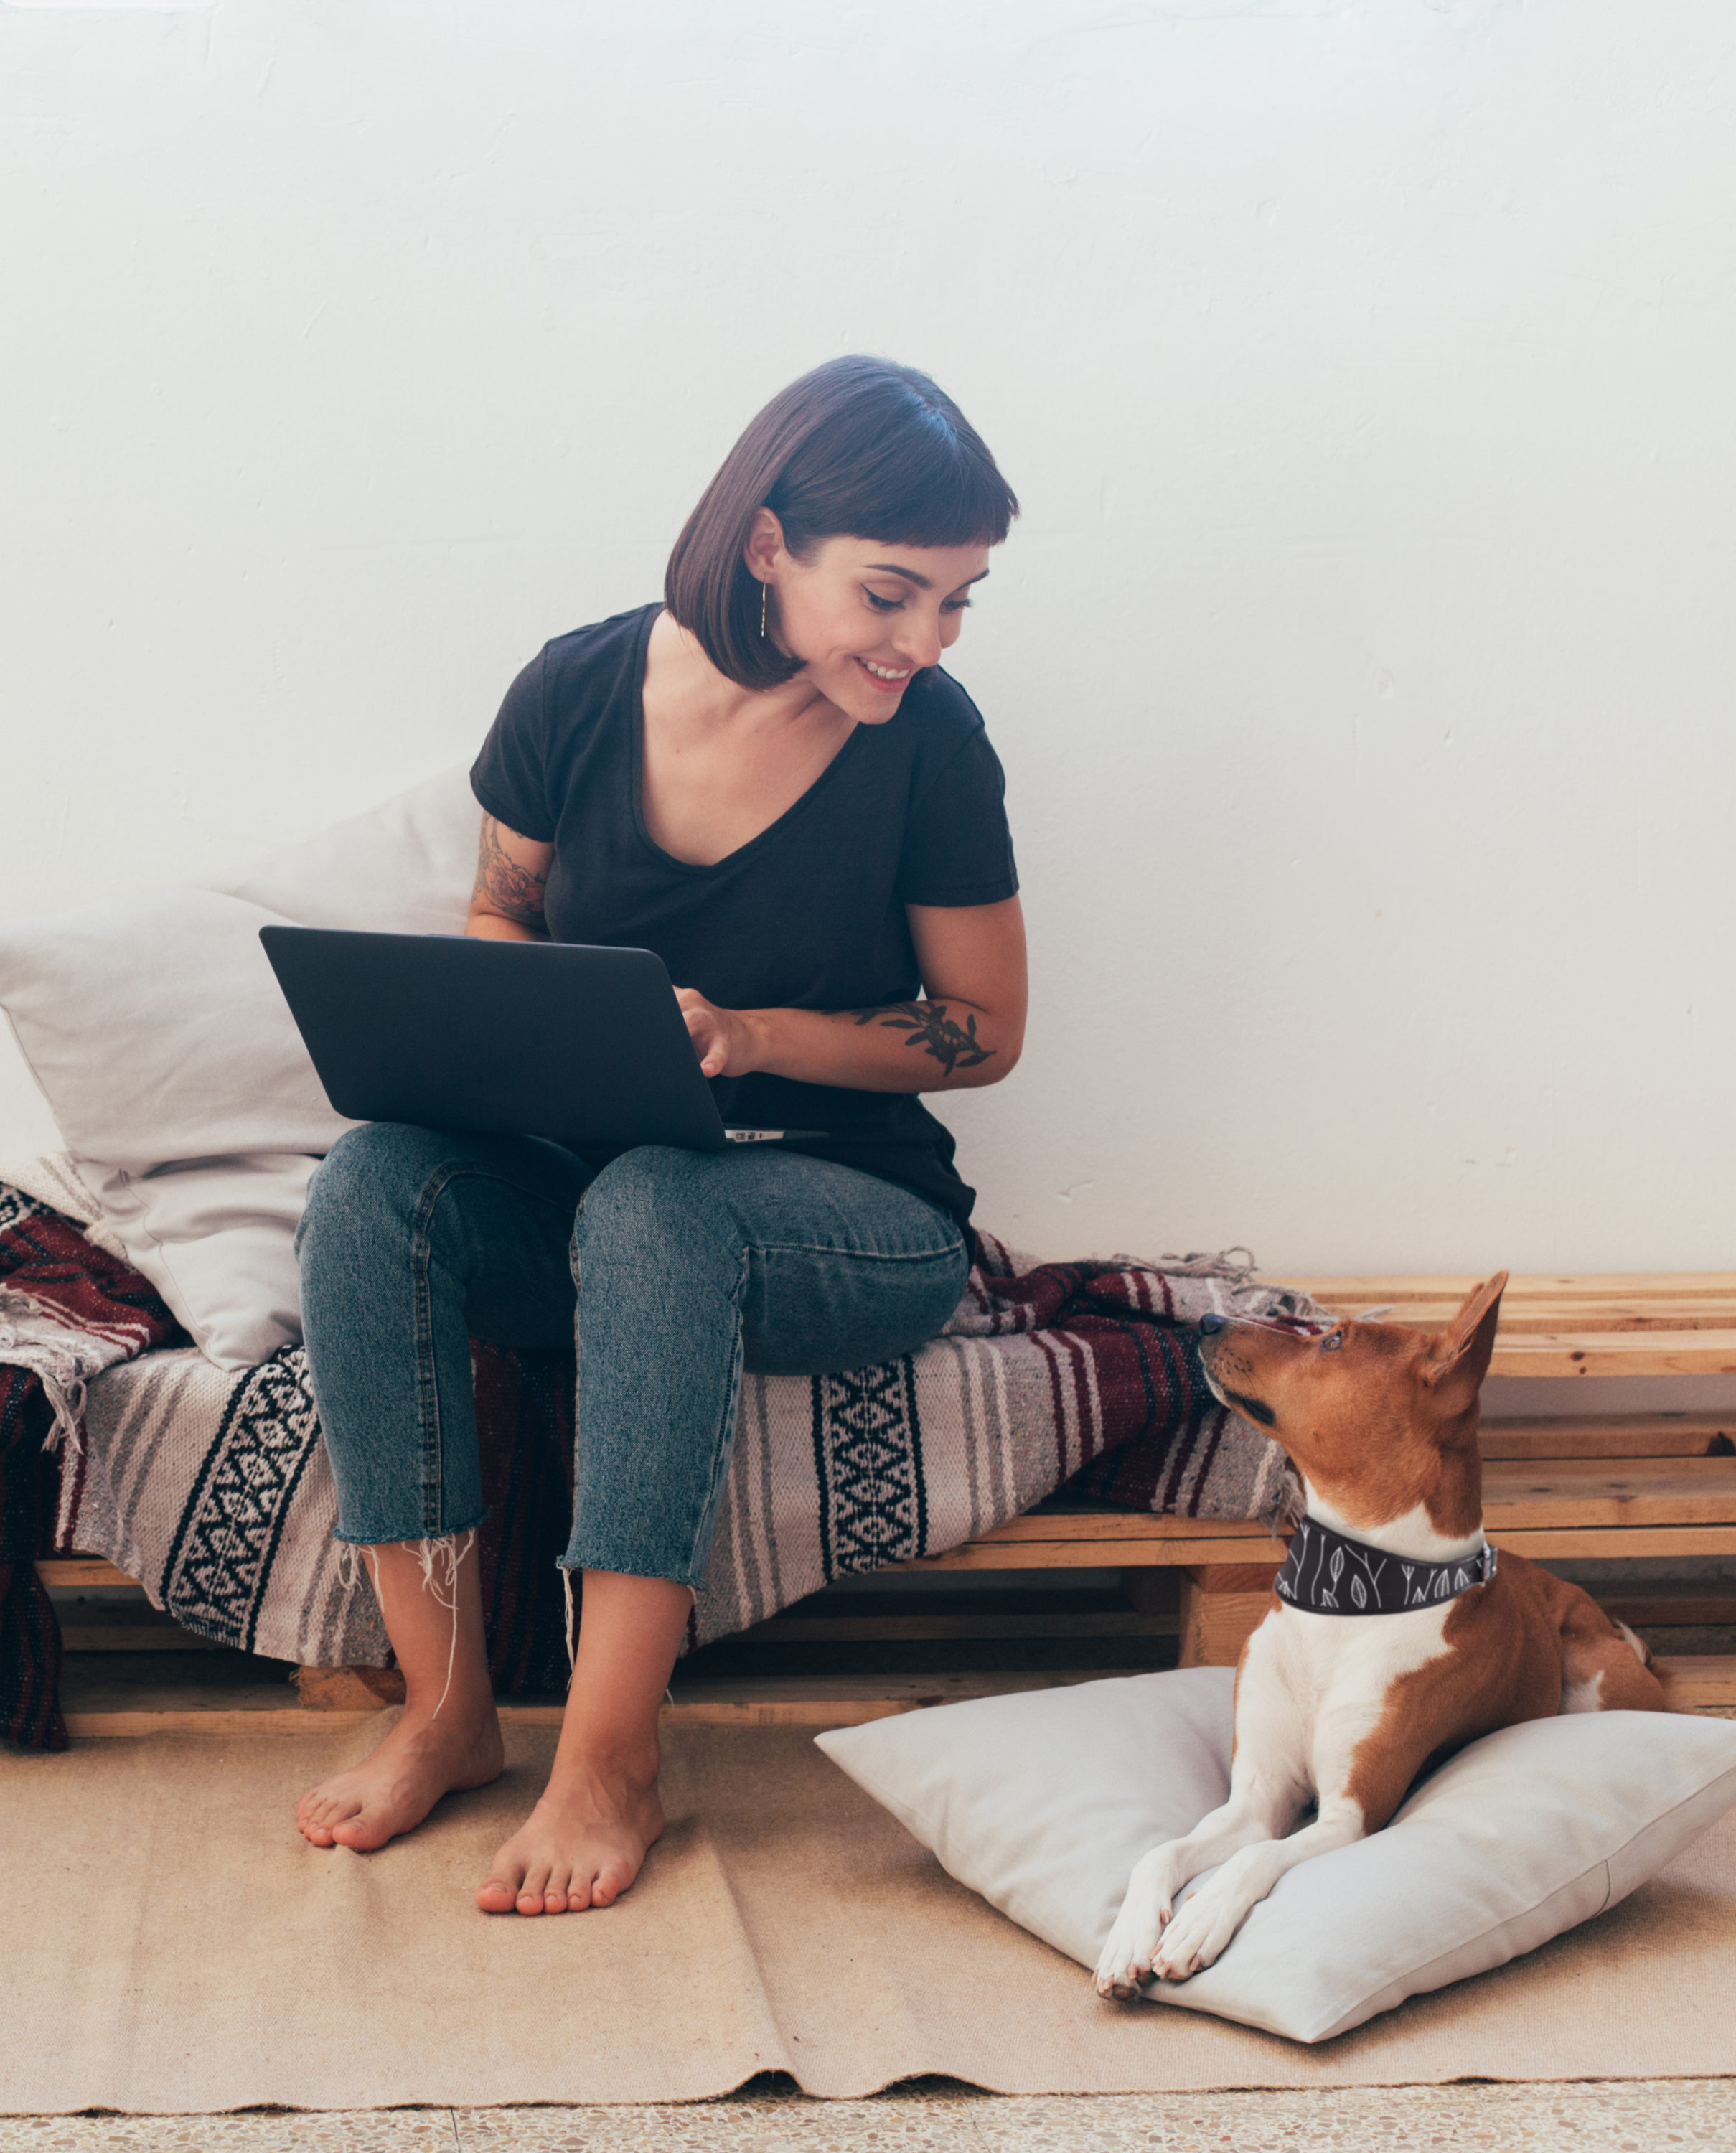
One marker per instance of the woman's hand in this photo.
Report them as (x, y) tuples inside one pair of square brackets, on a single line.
[(966, 1031), (723, 1039)]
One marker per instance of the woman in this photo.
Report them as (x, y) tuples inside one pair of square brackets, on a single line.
[(767, 780)]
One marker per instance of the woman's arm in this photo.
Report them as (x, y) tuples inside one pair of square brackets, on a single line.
[(512, 873), (966, 1031)]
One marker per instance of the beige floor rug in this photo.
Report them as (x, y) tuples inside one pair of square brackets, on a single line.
[(168, 1944)]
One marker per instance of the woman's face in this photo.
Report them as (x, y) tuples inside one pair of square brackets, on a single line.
[(863, 616)]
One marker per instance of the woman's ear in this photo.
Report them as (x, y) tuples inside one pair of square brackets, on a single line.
[(764, 548)]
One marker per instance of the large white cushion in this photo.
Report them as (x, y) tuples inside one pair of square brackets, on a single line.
[(405, 868), (1043, 1802), (175, 1069)]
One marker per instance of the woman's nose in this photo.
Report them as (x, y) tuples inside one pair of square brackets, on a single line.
[(919, 641)]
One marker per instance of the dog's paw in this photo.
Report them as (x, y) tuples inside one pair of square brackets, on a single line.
[(1199, 1933), (1127, 1958)]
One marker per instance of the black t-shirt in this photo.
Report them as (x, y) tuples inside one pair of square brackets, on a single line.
[(810, 914)]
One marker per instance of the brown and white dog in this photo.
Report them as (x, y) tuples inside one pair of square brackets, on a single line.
[(1394, 1635)]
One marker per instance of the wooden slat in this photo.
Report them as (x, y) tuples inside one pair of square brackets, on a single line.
[(1526, 1320), (1665, 1606), (1613, 1435), (1575, 1543), (1084, 1522), (1700, 1681), (774, 1701), (128, 1637), (900, 1629), (1591, 1491), (1541, 1543), (221, 1720), (81, 1573), (1616, 1353), (1372, 1289), (1611, 1324), (1135, 1550)]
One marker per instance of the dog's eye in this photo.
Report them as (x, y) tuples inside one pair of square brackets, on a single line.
[(1333, 1342)]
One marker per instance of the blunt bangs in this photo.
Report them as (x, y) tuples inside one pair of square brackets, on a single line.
[(859, 448)]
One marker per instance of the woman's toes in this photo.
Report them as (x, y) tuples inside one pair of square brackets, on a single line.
[(362, 1832), (498, 1892)]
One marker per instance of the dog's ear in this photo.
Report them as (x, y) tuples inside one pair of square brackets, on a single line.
[(1455, 1370)]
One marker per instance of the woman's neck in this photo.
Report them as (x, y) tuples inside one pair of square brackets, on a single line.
[(689, 695)]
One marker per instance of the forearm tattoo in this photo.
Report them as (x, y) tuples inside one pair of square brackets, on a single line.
[(955, 1045), (502, 885)]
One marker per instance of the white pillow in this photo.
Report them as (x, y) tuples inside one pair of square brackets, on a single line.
[(172, 1064), (159, 1032), (166, 1051), (405, 868), (1042, 1802)]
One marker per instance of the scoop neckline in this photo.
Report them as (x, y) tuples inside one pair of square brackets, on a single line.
[(635, 771)]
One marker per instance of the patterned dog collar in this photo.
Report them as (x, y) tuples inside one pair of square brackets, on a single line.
[(1328, 1575)]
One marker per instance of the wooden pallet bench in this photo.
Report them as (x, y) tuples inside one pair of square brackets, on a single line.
[(1658, 1485)]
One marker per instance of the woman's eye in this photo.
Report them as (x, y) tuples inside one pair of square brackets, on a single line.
[(957, 605), (880, 604)]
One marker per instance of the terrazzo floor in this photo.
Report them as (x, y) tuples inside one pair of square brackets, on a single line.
[(1625, 2116)]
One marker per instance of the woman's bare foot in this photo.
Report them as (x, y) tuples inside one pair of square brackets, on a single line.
[(390, 1792), (583, 1843)]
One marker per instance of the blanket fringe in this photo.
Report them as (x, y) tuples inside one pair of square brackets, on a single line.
[(1203, 1263), (32, 1338)]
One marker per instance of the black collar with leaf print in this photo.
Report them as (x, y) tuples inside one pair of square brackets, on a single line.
[(1328, 1574)]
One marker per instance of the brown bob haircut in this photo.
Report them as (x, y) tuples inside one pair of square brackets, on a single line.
[(859, 448)]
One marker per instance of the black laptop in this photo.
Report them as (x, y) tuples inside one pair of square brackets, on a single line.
[(585, 1045)]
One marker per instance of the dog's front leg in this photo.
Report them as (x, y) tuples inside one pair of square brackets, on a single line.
[(1270, 1781), (1257, 1811), (1197, 1936)]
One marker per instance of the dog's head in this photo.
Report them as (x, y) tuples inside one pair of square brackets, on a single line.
[(1368, 1412)]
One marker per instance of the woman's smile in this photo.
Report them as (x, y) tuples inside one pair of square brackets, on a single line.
[(887, 678)]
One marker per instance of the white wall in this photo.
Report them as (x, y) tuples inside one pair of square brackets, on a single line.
[(1362, 663)]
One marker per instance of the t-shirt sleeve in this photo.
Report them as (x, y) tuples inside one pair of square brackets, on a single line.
[(958, 849), (510, 776)]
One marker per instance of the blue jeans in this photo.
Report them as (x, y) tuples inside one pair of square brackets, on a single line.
[(674, 1269)]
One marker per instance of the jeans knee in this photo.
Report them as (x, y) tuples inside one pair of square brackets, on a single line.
[(655, 1202), (370, 1179)]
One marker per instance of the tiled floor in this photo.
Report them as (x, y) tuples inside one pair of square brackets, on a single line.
[(1631, 2116)]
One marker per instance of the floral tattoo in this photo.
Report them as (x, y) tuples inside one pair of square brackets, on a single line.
[(954, 1044), (507, 888)]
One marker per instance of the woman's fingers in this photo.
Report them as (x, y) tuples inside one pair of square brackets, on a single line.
[(707, 1029)]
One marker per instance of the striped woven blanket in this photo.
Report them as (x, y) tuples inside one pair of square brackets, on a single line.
[(118, 1438)]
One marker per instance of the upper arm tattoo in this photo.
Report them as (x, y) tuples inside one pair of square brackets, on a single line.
[(502, 885), (954, 1044)]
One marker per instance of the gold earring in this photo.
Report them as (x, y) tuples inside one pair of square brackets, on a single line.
[(763, 588)]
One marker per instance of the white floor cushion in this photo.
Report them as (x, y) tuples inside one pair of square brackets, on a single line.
[(175, 1069), (1042, 1802)]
